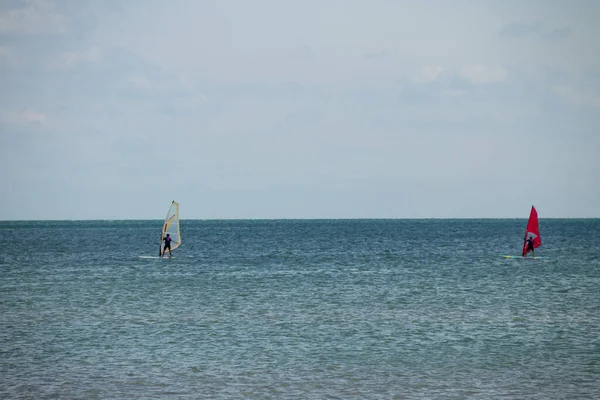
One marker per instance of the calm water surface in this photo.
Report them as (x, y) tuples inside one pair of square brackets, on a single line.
[(339, 309)]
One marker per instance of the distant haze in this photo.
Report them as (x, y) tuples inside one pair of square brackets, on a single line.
[(299, 109)]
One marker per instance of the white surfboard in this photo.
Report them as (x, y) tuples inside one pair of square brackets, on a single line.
[(154, 257), (526, 258)]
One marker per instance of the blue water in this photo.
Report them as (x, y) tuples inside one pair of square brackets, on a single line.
[(319, 309)]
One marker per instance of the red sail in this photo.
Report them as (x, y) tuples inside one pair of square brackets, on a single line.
[(533, 230)]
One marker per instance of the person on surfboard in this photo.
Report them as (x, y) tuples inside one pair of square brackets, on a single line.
[(529, 246), (167, 246)]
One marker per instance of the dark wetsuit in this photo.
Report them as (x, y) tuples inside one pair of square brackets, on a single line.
[(529, 244), (168, 243)]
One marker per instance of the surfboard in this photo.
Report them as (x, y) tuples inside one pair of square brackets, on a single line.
[(526, 258)]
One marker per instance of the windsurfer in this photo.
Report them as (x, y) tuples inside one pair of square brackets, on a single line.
[(529, 246), (167, 246)]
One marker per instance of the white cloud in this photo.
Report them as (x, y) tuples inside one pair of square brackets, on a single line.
[(69, 59), (476, 74), (483, 74), (37, 17), (585, 97), (26, 117), (186, 103), (185, 81), (429, 73), (164, 83), (6, 56), (200, 99), (139, 81)]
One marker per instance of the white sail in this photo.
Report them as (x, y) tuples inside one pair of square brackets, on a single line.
[(171, 226)]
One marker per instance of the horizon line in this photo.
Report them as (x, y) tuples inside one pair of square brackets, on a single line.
[(288, 219)]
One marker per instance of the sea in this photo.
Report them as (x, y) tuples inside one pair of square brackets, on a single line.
[(300, 309)]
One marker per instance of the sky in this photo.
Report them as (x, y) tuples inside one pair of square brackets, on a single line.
[(299, 109)]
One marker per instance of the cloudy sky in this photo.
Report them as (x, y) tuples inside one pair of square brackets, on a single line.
[(299, 109)]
